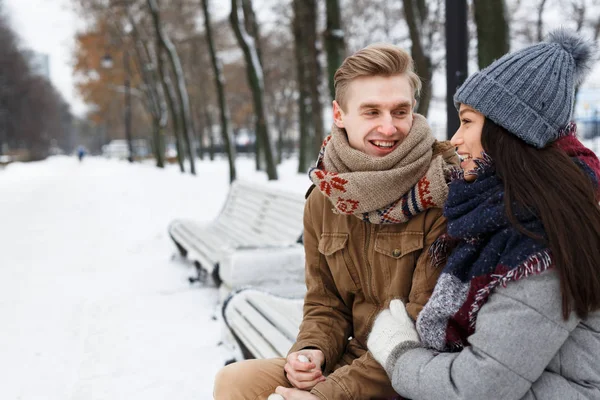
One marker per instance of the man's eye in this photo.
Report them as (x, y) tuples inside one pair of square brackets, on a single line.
[(371, 112), (400, 113), (464, 121)]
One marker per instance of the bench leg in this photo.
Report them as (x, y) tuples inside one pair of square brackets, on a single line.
[(182, 251), (215, 276), (201, 274)]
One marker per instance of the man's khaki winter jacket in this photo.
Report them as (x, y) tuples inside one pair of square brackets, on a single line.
[(353, 269)]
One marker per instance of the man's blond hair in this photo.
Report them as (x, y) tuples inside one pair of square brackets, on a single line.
[(375, 60)]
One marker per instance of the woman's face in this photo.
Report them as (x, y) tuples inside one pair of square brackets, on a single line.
[(467, 139)]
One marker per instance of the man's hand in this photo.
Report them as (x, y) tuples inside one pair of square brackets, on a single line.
[(295, 394), (303, 369)]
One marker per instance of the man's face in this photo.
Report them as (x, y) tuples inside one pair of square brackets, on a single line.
[(378, 113)]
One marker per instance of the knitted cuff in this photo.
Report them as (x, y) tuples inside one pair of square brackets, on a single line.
[(399, 350)]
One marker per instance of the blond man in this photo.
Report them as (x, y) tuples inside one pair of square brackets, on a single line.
[(380, 184)]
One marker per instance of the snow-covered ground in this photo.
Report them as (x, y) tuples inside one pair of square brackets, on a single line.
[(94, 303)]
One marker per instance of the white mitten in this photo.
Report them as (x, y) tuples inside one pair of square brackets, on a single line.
[(391, 328)]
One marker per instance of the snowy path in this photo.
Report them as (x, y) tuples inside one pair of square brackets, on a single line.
[(92, 304)]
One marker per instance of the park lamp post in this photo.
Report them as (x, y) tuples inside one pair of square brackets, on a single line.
[(107, 63)]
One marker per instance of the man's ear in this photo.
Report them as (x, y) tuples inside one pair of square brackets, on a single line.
[(414, 105), (338, 114)]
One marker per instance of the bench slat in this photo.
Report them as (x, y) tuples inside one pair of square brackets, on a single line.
[(263, 322), (265, 328), (281, 316), (250, 337)]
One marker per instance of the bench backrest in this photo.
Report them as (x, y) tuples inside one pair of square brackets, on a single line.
[(264, 212)]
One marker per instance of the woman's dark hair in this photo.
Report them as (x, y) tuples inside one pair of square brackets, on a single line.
[(548, 182)]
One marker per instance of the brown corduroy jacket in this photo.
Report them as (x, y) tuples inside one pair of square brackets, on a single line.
[(353, 269)]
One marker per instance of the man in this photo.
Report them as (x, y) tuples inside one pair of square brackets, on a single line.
[(369, 226)]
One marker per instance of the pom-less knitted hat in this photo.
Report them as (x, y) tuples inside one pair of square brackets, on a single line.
[(531, 92)]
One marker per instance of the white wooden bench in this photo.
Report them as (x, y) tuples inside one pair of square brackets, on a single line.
[(254, 216), (261, 324)]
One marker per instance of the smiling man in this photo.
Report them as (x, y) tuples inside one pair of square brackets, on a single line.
[(368, 228)]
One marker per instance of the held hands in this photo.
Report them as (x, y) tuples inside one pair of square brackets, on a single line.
[(304, 373), (391, 328)]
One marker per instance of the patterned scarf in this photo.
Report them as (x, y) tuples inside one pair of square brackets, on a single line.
[(384, 190), (488, 250)]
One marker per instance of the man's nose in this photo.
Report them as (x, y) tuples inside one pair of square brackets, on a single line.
[(387, 125)]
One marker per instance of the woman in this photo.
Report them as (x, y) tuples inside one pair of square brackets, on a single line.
[(516, 311)]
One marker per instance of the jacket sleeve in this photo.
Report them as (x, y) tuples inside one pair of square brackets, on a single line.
[(365, 378), (425, 275), (327, 322), (519, 331)]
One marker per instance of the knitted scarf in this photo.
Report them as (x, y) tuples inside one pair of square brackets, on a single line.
[(488, 250), (383, 190)]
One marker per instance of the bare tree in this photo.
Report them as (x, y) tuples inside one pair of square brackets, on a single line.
[(256, 82), (154, 99), (492, 30), (220, 86), (181, 90), (334, 42), (540, 26), (305, 112), (416, 13)]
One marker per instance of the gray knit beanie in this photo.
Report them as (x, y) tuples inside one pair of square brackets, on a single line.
[(531, 92)]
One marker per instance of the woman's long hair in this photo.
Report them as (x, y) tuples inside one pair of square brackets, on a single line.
[(548, 182)]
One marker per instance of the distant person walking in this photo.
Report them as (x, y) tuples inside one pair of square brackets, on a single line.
[(80, 153)]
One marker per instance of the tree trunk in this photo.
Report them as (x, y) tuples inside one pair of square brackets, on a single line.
[(154, 97), (170, 97), (416, 14), (306, 154), (256, 82), (313, 70), (259, 152), (181, 91), (334, 42), (540, 21), (157, 144), (251, 26), (492, 30), (201, 135), (211, 139), (220, 85)]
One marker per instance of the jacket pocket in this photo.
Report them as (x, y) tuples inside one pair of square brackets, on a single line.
[(334, 246), (398, 244), (396, 255)]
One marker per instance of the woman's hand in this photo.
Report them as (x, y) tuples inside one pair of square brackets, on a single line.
[(392, 327)]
